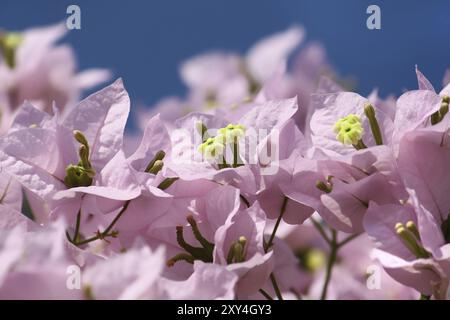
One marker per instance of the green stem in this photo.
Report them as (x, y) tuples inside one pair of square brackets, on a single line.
[(269, 244), (321, 230), (77, 227), (348, 239), (122, 211), (86, 241), (374, 126), (334, 248), (235, 154), (330, 264), (360, 145), (277, 224), (376, 132), (275, 286), (265, 294), (224, 163), (106, 232)]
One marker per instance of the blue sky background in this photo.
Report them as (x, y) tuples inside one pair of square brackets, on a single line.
[(145, 41)]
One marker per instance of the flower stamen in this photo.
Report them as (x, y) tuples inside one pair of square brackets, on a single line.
[(369, 111), (409, 239), (203, 253)]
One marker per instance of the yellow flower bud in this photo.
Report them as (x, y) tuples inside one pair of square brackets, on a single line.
[(232, 132), (212, 148), (9, 43), (349, 130)]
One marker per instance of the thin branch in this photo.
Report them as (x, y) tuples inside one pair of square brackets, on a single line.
[(265, 294), (273, 280), (269, 244), (106, 232), (77, 227), (348, 239), (321, 230), (330, 264), (277, 224)]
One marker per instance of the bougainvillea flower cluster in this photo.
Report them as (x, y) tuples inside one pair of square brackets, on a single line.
[(270, 180)]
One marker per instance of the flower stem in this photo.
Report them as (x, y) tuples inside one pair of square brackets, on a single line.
[(360, 145), (330, 264), (348, 239), (265, 294), (277, 224), (374, 126), (235, 154), (73, 239), (269, 244), (77, 227), (121, 212), (275, 286), (321, 230), (334, 248), (106, 232)]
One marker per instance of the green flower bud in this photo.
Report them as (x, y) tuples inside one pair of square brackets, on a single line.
[(9, 42), (325, 187), (84, 157), (443, 110), (79, 136), (410, 240), (166, 183), (159, 156), (411, 226), (157, 167), (77, 176), (369, 111)]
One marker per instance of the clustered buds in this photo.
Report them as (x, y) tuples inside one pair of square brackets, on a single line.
[(411, 238), (203, 253), (82, 174), (156, 165), (237, 252)]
